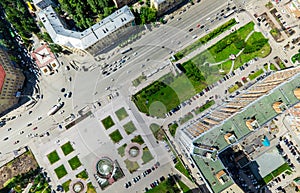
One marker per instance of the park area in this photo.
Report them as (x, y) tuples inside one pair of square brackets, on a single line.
[(60, 171), (53, 157), (74, 163), (18, 166), (116, 136), (121, 114), (108, 122), (219, 30), (202, 70), (67, 148)]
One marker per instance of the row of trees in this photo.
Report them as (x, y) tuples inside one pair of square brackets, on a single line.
[(18, 15), (145, 15), (193, 72), (86, 13), (19, 182)]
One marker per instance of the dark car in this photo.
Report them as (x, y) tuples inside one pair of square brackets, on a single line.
[(190, 30)]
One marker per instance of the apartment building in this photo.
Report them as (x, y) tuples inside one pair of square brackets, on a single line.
[(11, 80)]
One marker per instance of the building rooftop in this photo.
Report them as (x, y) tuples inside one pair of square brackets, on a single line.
[(43, 56), (209, 170), (82, 40), (235, 107), (257, 112), (263, 162)]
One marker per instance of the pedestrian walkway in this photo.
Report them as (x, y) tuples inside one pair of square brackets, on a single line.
[(214, 41)]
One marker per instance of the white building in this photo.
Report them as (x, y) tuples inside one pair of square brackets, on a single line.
[(42, 4), (94, 39)]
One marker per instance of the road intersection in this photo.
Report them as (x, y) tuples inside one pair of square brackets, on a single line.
[(89, 87)]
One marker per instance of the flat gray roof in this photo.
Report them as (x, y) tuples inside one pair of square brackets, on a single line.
[(263, 162), (82, 40), (262, 110)]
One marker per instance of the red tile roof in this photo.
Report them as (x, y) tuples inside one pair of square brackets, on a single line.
[(2, 77), (43, 56)]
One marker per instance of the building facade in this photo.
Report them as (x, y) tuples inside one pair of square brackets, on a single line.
[(121, 3), (11, 80), (163, 6)]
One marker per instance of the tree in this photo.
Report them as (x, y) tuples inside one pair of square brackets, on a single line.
[(55, 48)]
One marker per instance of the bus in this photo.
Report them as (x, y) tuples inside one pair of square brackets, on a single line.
[(228, 13), (55, 108), (126, 50)]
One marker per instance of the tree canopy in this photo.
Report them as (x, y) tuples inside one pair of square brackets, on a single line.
[(85, 14)]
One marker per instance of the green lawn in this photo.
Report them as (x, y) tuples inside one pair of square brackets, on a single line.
[(273, 67), (147, 156), (277, 172), (168, 92), (165, 94), (74, 163), (165, 187), (185, 118), (260, 51), (184, 187), (121, 150), (169, 186), (207, 105), (138, 80), (108, 122), (233, 88), (65, 185), (83, 175), (281, 65), (121, 114), (60, 171), (116, 136), (91, 188), (219, 30), (155, 128), (180, 167), (296, 57), (172, 128), (53, 157), (129, 128), (138, 139), (67, 148), (269, 5), (131, 166), (256, 74)]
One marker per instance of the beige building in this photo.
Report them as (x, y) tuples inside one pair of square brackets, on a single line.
[(294, 7), (11, 79), (121, 3), (163, 6)]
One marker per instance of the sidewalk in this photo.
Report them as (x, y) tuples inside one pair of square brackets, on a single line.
[(215, 40)]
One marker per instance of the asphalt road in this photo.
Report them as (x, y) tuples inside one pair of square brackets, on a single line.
[(88, 87)]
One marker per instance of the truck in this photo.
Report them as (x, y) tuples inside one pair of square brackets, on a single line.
[(55, 108)]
